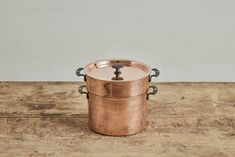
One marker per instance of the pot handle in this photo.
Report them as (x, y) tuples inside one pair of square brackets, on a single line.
[(156, 74), (78, 73), (153, 92), (80, 90)]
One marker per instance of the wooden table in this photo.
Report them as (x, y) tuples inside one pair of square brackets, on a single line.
[(40, 119)]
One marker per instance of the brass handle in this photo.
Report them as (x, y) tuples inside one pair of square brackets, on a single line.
[(154, 91), (78, 73), (117, 71), (156, 74), (80, 90)]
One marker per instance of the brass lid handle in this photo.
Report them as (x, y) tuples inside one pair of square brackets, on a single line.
[(117, 71)]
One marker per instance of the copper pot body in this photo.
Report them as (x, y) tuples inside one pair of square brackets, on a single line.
[(117, 107), (117, 117)]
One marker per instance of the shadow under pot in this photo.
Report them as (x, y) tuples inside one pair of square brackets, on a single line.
[(117, 92)]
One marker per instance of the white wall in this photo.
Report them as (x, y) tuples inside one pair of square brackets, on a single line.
[(188, 40)]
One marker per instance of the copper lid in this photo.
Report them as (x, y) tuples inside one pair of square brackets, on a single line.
[(117, 70)]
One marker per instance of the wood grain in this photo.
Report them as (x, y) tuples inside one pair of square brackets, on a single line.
[(49, 119)]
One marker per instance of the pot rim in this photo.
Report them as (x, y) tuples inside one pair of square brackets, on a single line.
[(93, 64)]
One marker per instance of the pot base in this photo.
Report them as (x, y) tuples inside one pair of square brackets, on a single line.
[(120, 134)]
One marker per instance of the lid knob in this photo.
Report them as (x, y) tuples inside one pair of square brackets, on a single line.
[(117, 71)]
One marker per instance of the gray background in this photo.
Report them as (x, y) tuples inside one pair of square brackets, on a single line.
[(188, 40)]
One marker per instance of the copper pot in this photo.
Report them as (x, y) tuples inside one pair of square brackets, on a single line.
[(117, 92)]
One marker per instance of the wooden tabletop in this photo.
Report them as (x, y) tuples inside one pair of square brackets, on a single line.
[(49, 119)]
